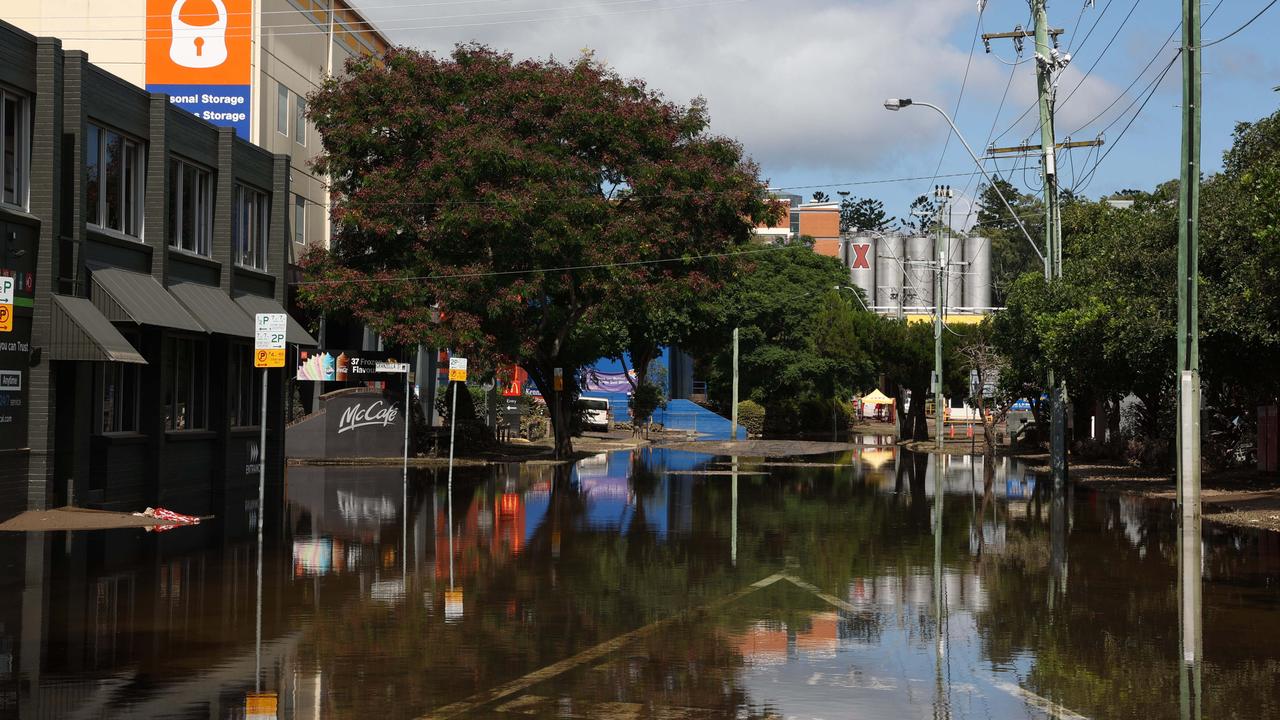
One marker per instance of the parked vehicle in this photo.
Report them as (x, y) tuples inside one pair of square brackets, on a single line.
[(594, 412)]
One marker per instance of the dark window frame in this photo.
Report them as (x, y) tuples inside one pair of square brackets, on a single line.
[(245, 409), (131, 178), (251, 226), (15, 161), (185, 398), (181, 172)]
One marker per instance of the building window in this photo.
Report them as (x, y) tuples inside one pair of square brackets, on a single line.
[(300, 120), (15, 149), (246, 388), (119, 397), (282, 109), (190, 207), (113, 170), (299, 219), (250, 217), (186, 388)]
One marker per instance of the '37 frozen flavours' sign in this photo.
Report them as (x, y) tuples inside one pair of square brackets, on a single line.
[(346, 365)]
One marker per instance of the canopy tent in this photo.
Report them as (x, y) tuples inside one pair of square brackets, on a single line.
[(877, 398)]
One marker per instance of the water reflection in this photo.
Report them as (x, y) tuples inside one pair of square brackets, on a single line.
[(898, 585)]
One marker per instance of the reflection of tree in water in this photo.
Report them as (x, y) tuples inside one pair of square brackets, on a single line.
[(1107, 645)]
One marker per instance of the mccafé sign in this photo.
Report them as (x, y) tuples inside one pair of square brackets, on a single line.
[(359, 415)]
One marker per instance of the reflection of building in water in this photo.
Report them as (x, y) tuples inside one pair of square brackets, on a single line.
[(773, 642), (963, 590)]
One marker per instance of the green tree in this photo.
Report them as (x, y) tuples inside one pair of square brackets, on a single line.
[(474, 182), (866, 214)]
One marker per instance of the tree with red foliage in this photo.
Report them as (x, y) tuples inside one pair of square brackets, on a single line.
[(527, 200)]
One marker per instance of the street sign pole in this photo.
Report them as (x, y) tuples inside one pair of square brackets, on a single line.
[(268, 352), (457, 376)]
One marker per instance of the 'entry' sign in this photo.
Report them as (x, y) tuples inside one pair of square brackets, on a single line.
[(268, 339), (7, 285), (457, 369)]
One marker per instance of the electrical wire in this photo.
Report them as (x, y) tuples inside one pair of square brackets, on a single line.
[(1233, 33), (955, 112), (521, 21), (1154, 87)]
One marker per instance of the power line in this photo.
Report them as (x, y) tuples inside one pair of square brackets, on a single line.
[(1233, 33), (1154, 87), (955, 112), (676, 194), (588, 16)]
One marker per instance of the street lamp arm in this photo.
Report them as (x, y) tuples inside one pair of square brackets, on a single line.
[(896, 104), (856, 294)]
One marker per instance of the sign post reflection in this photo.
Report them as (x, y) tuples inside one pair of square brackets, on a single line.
[(1190, 638)]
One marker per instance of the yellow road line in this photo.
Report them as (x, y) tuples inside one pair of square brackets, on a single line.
[(590, 654)]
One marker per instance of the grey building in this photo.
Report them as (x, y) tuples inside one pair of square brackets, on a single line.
[(142, 240)]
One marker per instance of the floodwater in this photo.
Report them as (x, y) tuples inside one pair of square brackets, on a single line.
[(652, 584)]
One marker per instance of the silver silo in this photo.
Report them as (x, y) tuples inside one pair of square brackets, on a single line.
[(956, 278), (862, 265), (977, 286), (918, 290), (889, 263)]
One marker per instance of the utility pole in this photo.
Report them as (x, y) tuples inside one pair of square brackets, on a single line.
[(733, 412), (1048, 62), (943, 194), (1188, 270)]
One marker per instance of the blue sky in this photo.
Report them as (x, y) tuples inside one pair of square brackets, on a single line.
[(801, 83)]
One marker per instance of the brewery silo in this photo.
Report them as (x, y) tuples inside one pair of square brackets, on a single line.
[(889, 263), (977, 286), (956, 278), (918, 290), (861, 262)]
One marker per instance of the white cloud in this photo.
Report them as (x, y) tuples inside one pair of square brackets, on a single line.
[(799, 83)]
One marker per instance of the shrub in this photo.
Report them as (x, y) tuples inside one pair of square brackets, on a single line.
[(751, 417)]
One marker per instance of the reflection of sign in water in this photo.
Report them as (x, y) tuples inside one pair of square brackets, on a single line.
[(198, 52), (253, 457), (360, 415)]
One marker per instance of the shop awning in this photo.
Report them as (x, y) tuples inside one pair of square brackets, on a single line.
[(295, 333), (125, 296), (214, 309), (80, 332)]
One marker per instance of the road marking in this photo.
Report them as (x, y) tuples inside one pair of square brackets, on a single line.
[(589, 655)]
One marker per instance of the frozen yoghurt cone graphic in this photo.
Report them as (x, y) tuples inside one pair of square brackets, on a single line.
[(198, 46)]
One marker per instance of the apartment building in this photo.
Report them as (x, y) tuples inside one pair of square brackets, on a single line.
[(140, 241), (234, 63)]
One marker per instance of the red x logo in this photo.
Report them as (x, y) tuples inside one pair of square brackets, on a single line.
[(860, 256)]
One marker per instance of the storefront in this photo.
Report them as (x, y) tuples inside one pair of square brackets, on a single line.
[(143, 240)]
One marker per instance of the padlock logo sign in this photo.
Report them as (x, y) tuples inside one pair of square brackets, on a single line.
[(198, 46)]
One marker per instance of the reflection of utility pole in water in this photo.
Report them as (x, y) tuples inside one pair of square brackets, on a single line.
[(1057, 543), (942, 689), (257, 631), (1190, 641), (733, 516)]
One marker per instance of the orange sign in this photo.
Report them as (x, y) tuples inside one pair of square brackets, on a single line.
[(199, 42), (268, 358), (198, 51)]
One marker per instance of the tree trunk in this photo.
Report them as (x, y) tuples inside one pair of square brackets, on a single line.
[(920, 419), (903, 417), (559, 405)]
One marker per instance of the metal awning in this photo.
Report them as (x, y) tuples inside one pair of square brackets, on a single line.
[(296, 334), (125, 296), (214, 309), (80, 332)]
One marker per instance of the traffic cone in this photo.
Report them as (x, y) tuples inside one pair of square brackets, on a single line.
[(971, 431), (953, 432)]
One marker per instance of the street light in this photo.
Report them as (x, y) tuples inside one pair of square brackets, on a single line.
[(896, 104), (856, 294)]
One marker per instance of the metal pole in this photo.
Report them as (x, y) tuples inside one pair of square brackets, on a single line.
[(453, 426), (940, 304), (404, 486), (262, 492), (733, 413), (1188, 267)]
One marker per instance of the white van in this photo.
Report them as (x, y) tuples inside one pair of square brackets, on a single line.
[(595, 413)]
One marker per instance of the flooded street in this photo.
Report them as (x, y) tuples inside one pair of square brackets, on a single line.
[(652, 584)]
